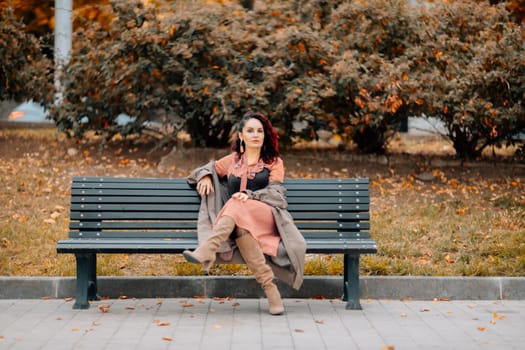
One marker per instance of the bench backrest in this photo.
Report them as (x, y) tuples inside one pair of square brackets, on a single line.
[(113, 208)]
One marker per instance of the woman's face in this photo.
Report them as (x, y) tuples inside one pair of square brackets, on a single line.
[(252, 133)]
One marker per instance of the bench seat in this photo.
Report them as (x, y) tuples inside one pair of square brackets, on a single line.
[(110, 215)]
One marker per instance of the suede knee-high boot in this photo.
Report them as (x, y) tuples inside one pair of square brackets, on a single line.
[(205, 253), (254, 258)]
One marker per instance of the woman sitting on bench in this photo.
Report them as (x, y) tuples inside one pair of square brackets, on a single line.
[(244, 197)]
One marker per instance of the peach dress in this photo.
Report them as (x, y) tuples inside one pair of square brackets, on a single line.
[(252, 215)]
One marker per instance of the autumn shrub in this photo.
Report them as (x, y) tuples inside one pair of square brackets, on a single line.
[(200, 67), (471, 72), (25, 73), (356, 68), (294, 62), (369, 102)]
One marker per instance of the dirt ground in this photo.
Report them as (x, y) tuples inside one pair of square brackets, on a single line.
[(417, 156)]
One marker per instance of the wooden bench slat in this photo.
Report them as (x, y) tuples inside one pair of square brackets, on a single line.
[(192, 234), (196, 200), (166, 246), (94, 194), (329, 207), (118, 215), (159, 207), (305, 215), (187, 225), (136, 200), (312, 207), (107, 179)]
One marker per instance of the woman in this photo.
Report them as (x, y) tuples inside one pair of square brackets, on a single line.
[(244, 198)]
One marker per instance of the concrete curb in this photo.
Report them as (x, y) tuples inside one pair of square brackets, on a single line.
[(371, 287)]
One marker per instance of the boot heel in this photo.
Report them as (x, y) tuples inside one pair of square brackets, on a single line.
[(192, 258), (275, 303), (188, 255)]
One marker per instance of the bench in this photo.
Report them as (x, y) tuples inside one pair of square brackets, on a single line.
[(159, 215)]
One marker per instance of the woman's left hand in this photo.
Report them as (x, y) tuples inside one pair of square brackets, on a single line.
[(241, 196)]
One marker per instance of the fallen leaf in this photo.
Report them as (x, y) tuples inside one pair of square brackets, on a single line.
[(236, 304), (187, 305), (298, 330), (167, 338), (76, 329), (104, 308), (217, 326), (424, 310), (319, 321), (481, 328), (492, 322), (388, 347), (55, 215), (5, 242), (130, 308), (50, 221), (404, 314), (59, 318), (163, 324), (96, 324), (498, 316)]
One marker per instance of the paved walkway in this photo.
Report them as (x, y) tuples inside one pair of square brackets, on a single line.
[(244, 324)]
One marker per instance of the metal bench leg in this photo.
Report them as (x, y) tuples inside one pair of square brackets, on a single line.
[(86, 280), (351, 282)]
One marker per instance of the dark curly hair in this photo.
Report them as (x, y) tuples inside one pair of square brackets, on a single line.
[(270, 148)]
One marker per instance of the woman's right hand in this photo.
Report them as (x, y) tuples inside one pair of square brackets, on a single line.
[(205, 186)]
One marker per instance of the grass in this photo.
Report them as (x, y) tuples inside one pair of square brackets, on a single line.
[(467, 221)]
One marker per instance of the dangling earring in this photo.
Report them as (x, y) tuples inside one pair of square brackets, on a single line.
[(241, 147)]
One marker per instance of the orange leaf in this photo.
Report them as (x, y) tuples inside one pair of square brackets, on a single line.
[(104, 308), (167, 338), (498, 316)]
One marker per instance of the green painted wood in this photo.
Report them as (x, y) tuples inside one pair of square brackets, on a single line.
[(159, 215)]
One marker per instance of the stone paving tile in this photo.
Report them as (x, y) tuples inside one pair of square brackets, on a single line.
[(202, 323)]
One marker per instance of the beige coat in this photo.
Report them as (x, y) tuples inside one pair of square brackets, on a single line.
[(273, 195)]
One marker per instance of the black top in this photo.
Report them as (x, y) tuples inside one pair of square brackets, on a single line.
[(259, 180)]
